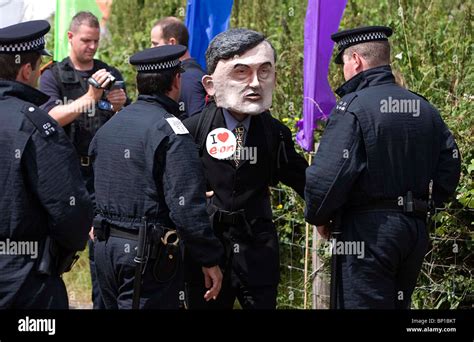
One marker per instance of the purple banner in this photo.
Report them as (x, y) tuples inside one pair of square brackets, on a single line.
[(322, 19)]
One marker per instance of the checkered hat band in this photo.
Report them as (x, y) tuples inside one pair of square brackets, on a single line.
[(158, 66), (24, 46), (360, 38)]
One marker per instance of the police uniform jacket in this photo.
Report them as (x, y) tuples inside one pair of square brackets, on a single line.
[(41, 189), (381, 141), (145, 165)]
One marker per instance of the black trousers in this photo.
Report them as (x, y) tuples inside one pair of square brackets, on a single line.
[(249, 297), (41, 292), (385, 275), (116, 274)]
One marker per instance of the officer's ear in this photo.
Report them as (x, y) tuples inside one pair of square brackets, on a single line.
[(208, 84), (25, 72), (172, 41), (177, 81), (358, 62)]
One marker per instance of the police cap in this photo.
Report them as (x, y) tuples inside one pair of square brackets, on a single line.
[(158, 59), (24, 37), (359, 35)]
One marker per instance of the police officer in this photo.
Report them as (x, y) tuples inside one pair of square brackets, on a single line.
[(78, 106), (147, 207), (42, 194), (382, 148), (241, 66)]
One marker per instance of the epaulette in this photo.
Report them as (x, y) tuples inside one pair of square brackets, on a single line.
[(175, 124), (344, 102), (45, 125)]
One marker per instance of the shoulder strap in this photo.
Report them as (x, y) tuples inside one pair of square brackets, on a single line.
[(43, 122), (204, 125), (344, 103), (269, 133), (98, 64), (47, 66), (65, 72)]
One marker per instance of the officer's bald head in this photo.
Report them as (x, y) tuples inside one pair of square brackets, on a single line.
[(375, 53)]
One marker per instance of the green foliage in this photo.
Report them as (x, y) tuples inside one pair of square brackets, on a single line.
[(431, 54), (129, 32)]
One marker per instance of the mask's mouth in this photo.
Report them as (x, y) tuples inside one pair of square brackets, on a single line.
[(253, 96)]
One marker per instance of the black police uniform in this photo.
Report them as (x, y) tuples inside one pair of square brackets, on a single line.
[(369, 166), (42, 193), (143, 161), (62, 82), (240, 210)]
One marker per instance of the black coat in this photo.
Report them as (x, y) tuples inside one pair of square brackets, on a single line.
[(41, 189), (370, 153), (247, 188), (142, 167)]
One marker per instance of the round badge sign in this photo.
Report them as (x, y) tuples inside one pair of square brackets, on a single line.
[(221, 143)]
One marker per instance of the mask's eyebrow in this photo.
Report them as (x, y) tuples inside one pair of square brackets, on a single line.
[(239, 65), (266, 64)]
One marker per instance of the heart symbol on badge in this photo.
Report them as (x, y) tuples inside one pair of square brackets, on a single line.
[(223, 136)]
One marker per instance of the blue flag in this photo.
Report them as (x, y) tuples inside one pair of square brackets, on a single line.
[(204, 20)]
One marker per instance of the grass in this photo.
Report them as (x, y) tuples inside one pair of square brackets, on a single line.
[(78, 282)]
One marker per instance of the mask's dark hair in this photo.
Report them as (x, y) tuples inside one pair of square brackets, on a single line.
[(11, 63), (83, 18), (156, 83), (230, 43), (172, 27)]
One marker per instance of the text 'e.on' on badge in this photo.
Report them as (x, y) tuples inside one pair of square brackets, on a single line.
[(221, 143)]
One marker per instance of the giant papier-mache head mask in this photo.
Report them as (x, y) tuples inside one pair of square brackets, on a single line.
[(241, 71)]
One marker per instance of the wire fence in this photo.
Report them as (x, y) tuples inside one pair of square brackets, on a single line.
[(304, 261)]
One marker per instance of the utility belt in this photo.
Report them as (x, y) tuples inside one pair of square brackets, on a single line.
[(406, 204), (54, 259), (158, 244)]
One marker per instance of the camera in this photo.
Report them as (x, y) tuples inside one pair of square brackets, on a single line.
[(96, 84)]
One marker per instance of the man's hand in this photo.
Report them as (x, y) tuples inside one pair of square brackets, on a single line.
[(91, 234), (324, 232), (102, 77), (117, 98), (213, 282)]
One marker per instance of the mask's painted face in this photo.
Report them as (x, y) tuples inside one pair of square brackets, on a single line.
[(244, 84)]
